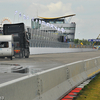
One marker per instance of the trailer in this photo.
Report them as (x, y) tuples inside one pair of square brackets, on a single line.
[(6, 46)]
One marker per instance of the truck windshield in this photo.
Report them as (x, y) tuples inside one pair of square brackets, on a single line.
[(15, 28), (4, 45)]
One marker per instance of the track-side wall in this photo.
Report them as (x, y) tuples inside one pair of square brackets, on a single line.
[(50, 84), (45, 50)]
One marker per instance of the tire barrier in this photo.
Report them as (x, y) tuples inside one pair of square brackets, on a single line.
[(51, 84)]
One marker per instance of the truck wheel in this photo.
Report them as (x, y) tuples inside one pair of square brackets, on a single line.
[(27, 56), (11, 58), (21, 55)]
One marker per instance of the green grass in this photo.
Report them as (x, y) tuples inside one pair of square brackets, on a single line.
[(90, 91)]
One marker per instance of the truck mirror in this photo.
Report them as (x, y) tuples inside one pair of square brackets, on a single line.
[(28, 36)]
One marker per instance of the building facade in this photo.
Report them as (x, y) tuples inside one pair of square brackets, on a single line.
[(58, 22), (52, 32)]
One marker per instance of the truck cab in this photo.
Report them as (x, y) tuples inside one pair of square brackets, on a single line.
[(6, 46), (20, 37)]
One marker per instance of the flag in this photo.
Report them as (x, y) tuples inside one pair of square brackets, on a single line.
[(52, 25), (47, 24), (43, 22), (62, 29), (55, 27), (64, 38), (27, 17), (39, 21), (58, 29), (16, 12), (36, 21), (24, 16), (20, 14), (32, 19)]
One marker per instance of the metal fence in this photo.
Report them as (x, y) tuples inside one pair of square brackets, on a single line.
[(46, 39)]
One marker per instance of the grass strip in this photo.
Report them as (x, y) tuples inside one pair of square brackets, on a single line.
[(90, 91)]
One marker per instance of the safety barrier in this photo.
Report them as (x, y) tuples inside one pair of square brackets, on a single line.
[(77, 73), (91, 67), (20, 89), (45, 50), (50, 84)]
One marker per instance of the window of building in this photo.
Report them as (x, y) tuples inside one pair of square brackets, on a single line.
[(70, 40), (72, 28), (70, 33), (59, 22), (69, 28), (51, 22)]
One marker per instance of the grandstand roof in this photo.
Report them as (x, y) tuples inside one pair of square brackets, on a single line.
[(57, 17)]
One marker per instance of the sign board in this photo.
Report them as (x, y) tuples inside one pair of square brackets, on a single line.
[(81, 43), (94, 40)]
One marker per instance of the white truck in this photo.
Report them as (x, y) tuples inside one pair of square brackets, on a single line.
[(6, 46)]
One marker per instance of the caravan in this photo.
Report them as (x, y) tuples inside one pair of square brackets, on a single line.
[(6, 46)]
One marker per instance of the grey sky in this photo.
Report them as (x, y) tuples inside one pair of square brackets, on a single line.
[(87, 13)]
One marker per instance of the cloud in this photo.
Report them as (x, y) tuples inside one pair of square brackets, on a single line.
[(59, 8), (51, 10)]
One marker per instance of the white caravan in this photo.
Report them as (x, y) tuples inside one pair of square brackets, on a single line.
[(6, 46)]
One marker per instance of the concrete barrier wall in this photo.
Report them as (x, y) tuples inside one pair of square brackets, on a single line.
[(50, 84), (91, 67), (25, 88), (98, 63), (77, 73), (53, 83), (39, 50), (61, 80)]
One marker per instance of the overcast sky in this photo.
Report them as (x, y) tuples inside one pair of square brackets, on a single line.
[(87, 13)]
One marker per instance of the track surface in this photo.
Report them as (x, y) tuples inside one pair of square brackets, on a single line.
[(41, 62), (46, 61)]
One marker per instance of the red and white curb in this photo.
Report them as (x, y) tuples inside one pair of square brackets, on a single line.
[(73, 93)]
